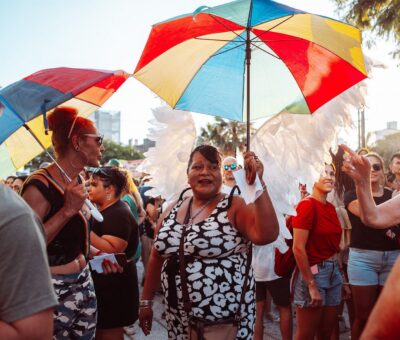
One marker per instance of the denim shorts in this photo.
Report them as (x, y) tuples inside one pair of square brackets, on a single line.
[(329, 282), (370, 267)]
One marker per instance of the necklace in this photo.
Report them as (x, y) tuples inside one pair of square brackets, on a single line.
[(198, 212)]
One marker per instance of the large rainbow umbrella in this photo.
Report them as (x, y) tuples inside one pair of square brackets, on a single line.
[(25, 104), (211, 61)]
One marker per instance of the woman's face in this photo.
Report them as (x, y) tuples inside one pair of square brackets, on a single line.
[(204, 177), (98, 193), (326, 180), (376, 169), (91, 146)]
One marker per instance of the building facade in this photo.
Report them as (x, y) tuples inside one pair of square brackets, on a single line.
[(108, 123)]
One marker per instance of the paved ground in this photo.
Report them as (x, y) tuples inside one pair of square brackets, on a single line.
[(271, 328)]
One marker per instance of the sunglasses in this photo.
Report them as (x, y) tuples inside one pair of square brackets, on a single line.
[(104, 172), (376, 167), (230, 166), (97, 138)]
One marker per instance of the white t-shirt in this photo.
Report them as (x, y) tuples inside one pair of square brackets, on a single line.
[(264, 262)]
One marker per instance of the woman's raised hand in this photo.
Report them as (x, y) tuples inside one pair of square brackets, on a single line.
[(74, 197), (252, 166), (354, 165)]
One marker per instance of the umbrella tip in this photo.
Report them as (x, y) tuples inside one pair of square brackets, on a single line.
[(199, 10)]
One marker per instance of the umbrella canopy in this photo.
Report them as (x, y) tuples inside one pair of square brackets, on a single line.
[(201, 61), (25, 103)]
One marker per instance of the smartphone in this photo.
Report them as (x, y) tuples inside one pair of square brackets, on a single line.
[(121, 259)]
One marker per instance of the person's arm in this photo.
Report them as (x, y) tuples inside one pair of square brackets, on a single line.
[(152, 281), (74, 197), (108, 243), (300, 237), (383, 322), (381, 216), (256, 221), (28, 329)]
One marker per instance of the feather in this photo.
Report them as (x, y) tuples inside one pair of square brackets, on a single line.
[(174, 133), (294, 147)]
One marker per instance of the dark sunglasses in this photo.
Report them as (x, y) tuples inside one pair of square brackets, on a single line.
[(97, 138), (230, 166), (376, 167), (103, 171)]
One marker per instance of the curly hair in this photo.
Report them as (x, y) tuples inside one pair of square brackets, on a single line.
[(111, 176)]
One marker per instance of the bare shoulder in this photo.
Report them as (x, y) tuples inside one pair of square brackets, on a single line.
[(35, 198), (169, 208)]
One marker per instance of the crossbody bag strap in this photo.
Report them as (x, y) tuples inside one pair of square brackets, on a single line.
[(187, 305), (315, 211), (245, 283)]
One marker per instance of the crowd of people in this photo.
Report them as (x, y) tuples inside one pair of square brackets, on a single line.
[(211, 255)]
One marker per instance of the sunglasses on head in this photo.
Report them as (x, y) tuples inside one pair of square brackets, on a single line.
[(97, 138), (230, 166), (104, 172), (376, 167)]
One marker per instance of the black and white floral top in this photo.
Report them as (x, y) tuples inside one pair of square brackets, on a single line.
[(216, 255)]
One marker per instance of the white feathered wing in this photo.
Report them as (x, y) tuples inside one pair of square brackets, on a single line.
[(294, 147), (174, 133)]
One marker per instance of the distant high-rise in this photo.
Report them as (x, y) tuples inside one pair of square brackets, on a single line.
[(108, 123)]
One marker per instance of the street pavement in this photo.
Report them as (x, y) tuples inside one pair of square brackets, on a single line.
[(159, 328)]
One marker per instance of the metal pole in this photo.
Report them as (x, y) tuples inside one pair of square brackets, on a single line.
[(93, 210), (362, 127), (248, 59), (359, 128)]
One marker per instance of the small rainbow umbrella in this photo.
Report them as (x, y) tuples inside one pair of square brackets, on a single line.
[(25, 104), (219, 60)]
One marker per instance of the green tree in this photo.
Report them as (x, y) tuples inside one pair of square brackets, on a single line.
[(380, 17), (387, 146), (226, 135), (119, 151), (112, 150), (39, 159)]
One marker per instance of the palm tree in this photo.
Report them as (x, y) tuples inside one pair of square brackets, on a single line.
[(226, 135)]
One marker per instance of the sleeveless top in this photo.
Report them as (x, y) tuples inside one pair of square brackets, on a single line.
[(73, 238), (216, 254)]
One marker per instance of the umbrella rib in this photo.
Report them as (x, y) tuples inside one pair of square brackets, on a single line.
[(238, 35), (218, 40), (277, 57), (229, 49), (279, 23)]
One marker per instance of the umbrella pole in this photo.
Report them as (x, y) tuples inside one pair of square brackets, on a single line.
[(93, 210), (248, 59)]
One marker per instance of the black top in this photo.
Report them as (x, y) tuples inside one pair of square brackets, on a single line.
[(364, 237), (119, 222), (71, 240)]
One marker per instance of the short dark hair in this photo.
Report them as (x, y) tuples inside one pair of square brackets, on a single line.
[(395, 155), (111, 176), (22, 178), (209, 152)]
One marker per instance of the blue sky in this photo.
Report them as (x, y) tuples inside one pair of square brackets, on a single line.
[(110, 34)]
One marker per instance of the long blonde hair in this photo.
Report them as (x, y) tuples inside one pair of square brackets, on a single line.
[(382, 163), (132, 189)]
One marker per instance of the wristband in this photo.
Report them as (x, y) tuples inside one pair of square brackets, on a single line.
[(146, 303)]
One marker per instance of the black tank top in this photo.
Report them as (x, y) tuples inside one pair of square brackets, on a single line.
[(73, 239)]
